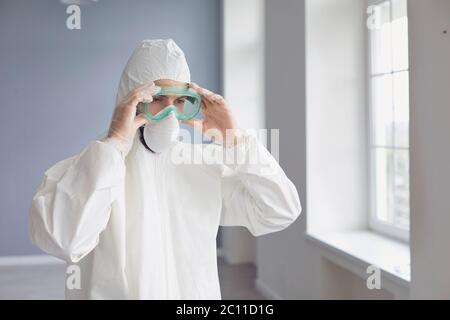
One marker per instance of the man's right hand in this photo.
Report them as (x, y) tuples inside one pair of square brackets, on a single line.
[(125, 123)]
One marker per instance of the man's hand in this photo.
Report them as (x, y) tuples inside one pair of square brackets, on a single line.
[(218, 122), (125, 123)]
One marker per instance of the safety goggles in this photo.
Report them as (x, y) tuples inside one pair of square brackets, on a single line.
[(186, 104)]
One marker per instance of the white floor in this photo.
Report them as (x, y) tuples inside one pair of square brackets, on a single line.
[(44, 282)]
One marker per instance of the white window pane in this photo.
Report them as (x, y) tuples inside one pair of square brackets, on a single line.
[(383, 176), (382, 40), (382, 111), (392, 187), (401, 109), (389, 40), (400, 59), (400, 204), (399, 9), (390, 116)]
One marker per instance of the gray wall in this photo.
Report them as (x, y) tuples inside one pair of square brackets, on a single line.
[(58, 86), (430, 150), (284, 263)]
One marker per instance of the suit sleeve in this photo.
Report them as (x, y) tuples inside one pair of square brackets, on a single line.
[(256, 193), (72, 205)]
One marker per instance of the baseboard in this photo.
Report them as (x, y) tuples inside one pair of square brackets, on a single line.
[(29, 260), (266, 291)]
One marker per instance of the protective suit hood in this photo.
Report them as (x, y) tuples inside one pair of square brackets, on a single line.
[(153, 60), (150, 61)]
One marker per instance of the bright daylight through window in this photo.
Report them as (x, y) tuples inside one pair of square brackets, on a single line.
[(389, 114)]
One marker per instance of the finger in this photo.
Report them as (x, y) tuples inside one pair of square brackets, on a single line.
[(208, 103), (204, 106), (211, 108), (197, 124), (146, 98), (143, 92), (194, 86), (209, 99), (153, 90), (140, 120), (215, 100), (206, 92), (218, 99), (202, 91), (145, 86), (192, 122), (205, 125), (148, 91), (140, 96), (136, 91)]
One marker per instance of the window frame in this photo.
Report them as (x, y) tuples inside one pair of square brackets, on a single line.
[(376, 224)]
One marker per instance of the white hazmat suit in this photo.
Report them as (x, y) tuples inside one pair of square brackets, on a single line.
[(143, 226)]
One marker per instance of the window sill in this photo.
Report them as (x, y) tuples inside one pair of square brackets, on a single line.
[(357, 250)]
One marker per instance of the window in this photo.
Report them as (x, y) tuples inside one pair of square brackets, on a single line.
[(389, 118)]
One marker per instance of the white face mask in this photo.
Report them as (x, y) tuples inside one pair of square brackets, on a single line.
[(159, 135)]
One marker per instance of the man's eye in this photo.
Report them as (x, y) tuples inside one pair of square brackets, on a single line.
[(181, 100)]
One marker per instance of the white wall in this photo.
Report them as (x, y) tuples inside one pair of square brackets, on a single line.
[(288, 266), (336, 115), (243, 75), (339, 283), (430, 148)]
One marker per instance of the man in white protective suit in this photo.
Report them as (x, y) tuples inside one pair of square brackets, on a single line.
[(133, 214)]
